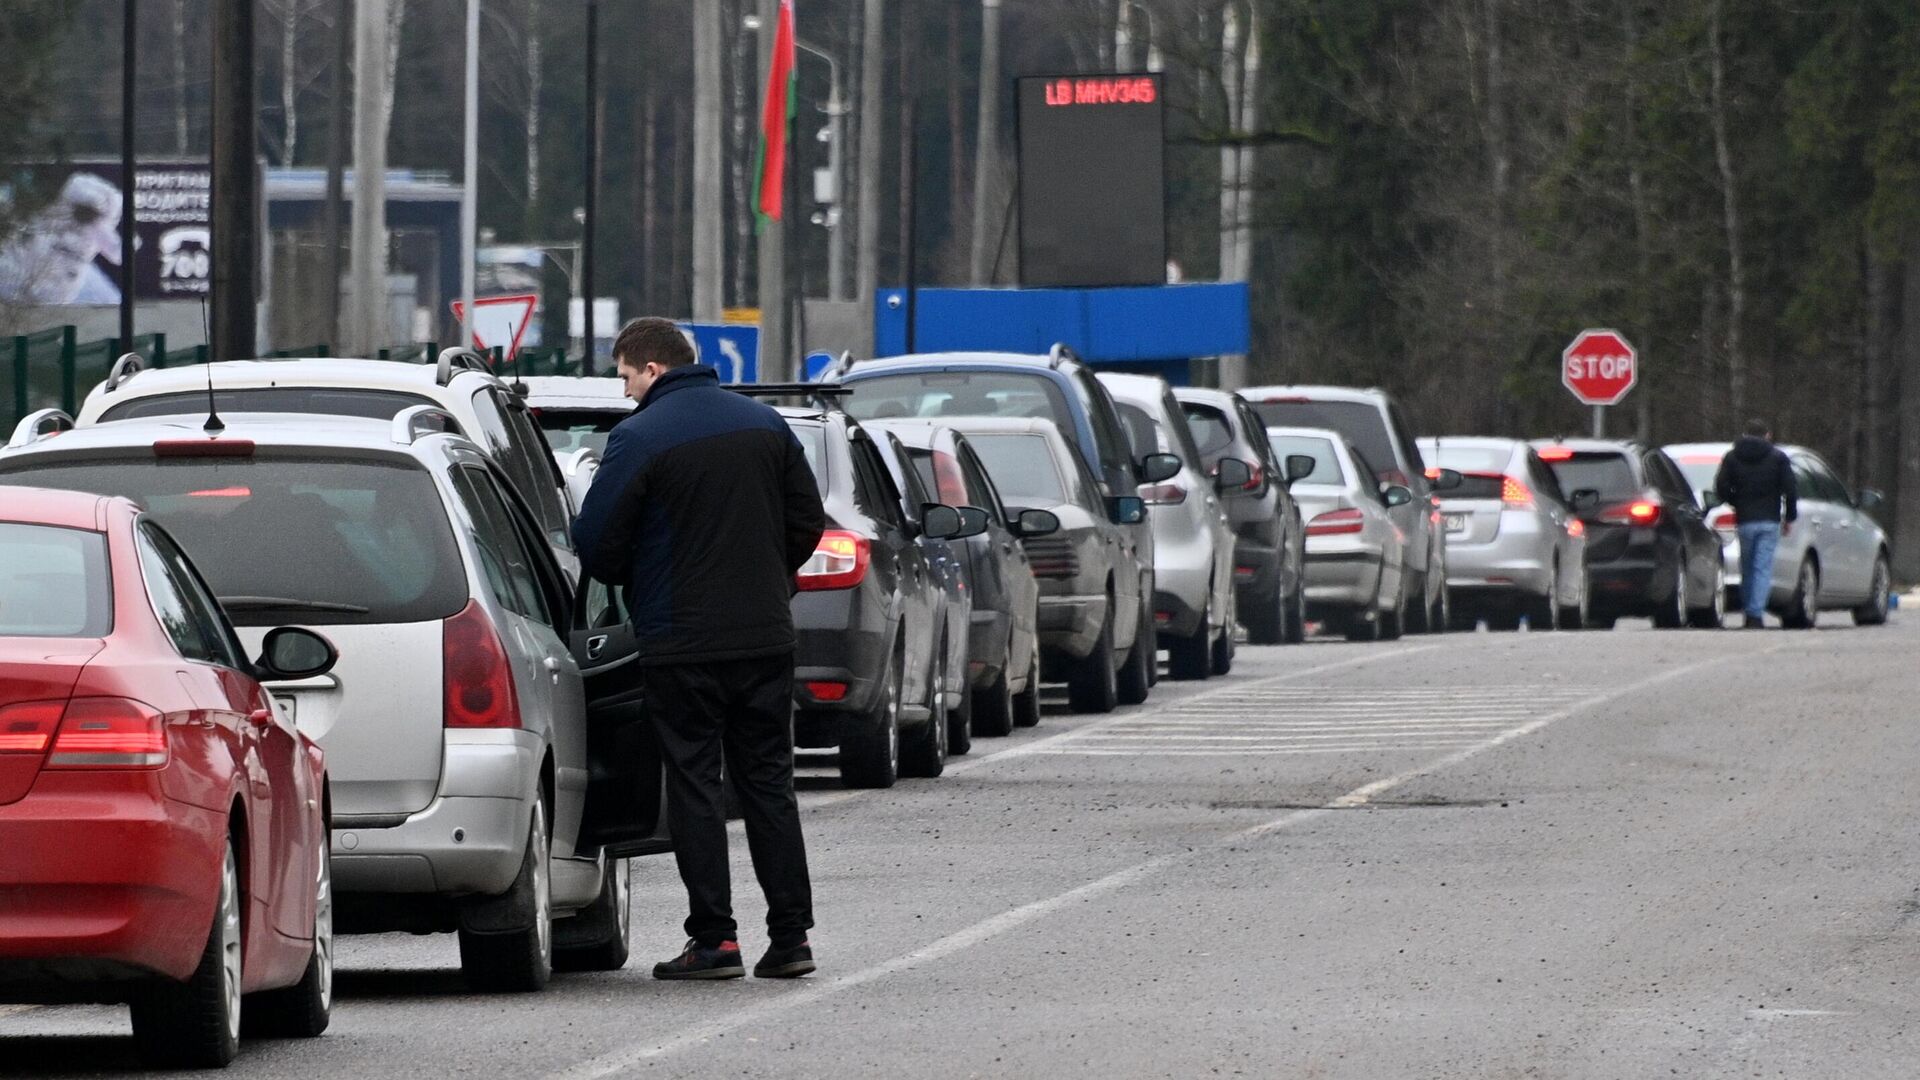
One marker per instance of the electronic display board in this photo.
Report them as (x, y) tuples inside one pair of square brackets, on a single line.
[(1092, 180)]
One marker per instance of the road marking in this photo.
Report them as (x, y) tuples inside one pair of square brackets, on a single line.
[(635, 1054), (15, 1010)]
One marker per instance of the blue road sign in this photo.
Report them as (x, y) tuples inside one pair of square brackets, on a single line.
[(816, 365), (734, 349)]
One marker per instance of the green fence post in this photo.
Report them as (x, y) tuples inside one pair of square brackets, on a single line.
[(159, 350), (69, 394)]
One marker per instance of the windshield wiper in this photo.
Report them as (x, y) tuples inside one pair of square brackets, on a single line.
[(287, 603)]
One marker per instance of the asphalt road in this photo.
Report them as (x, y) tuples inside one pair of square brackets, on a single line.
[(1604, 855)]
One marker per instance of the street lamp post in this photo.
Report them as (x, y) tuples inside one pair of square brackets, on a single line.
[(836, 111)]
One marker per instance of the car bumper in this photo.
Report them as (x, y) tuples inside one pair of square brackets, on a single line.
[(1343, 577), (1517, 560), (470, 840), (1258, 570), (104, 885), (1069, 625)]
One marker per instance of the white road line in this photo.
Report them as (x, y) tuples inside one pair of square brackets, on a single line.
[(15, 1010), (634, 1054), (1253, 751)]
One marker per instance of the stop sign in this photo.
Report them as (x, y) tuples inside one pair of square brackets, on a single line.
[(1599, 367)]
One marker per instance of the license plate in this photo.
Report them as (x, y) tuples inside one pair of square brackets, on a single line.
[(1458, 523), (287, 703)]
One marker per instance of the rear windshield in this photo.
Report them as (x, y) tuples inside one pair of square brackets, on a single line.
[(813, 441), (1364, 425), (310, 540), (54, 582), (568, 430), (1469, 459), (1700, 471), (322, 400), (1605, 471), (960, 393), (1022, 467), (1326, 465), (1211, 432)]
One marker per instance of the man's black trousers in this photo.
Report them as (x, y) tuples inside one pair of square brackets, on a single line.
[(739, 710)]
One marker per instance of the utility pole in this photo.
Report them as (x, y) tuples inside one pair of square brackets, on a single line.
[(837, 224), (873, 62), (470, 173), (129, 23), (336, 164), (369, 248), (236, 204), (709, 237), (986, 142), (593, 186), (773, 247)]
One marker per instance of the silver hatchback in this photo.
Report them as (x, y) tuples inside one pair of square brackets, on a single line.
[(1515, 547)]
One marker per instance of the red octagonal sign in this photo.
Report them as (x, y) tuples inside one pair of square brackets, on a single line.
[(1599, 367)]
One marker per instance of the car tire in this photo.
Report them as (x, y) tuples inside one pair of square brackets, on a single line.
[(993, 703), (1578, 616), (1543, 612), (1714, 615), (1267, 619), (1357, 626), (1463, 620), (871, 758), (1602, 621), (517, 959), (1874, 611), (1136, 675), (600, 937), (1502, 621), (1223, 649), (303, 1010), (1415, 616), (1671, 613), (1190, 656), (960, 725), (1092, 686), (1392, 622), (1297, 615), (1026, 704), (923, 747), (196, 1023), (1441, 619), (1803, 611)]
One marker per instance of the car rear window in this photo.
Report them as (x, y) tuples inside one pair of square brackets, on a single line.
[(813, 442), (315, 540), (1605, 471), (568, 430), (1211, 431), (1480, 459), (54, 582), (1363, 424), (323, 400), (1022, 467), (959, 393), (1326, 464), (1700, 470)]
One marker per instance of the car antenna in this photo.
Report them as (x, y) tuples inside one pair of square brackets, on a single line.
[(213, 426)]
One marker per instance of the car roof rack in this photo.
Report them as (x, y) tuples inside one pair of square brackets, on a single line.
[(1061, 353), (826, 395), (417, 420), (35, 426), (460, 357), (129, 365)]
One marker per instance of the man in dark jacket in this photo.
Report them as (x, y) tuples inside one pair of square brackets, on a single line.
[(1756, 479), (704, 508)]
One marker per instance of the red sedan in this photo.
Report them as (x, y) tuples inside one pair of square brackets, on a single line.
[(163, 826)]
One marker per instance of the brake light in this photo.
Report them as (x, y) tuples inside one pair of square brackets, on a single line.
[(1163, 494), (1514, 493), (948, 481), (1639, 512), (109, 733), (26, 728), (476, 682), (191, 448), (1724, 520), (1337, 523), (1556, 453), (222, 493), (827, 691), (1576, 527), (839, 561)]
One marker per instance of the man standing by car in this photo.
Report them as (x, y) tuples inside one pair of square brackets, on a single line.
[(1756, 479), (704, 508)]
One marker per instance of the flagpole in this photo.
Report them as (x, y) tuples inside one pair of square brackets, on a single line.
[(776, 38)]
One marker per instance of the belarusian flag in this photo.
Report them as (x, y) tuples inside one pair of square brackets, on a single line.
[(775, 117)]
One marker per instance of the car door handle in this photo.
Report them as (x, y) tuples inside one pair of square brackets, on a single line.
[(596, 645), (553, 668)]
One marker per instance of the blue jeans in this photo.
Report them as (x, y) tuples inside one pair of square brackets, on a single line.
[(1758, 539)]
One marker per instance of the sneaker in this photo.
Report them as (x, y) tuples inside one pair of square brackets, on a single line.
[(699, 961), (788, 963), (1755, 622)]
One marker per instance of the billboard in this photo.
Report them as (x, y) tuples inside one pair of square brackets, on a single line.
[(67, 248), (1092, 180)]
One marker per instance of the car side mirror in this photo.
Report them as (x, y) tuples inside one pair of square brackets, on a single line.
[(294, 652), (1299, 467), (1158, 468), (1031, 523), (1871, 499), (1232, 474), (973, 522), (939, 521), (1396, 495), (1445, 479), (1584, 499), (1127, 509)]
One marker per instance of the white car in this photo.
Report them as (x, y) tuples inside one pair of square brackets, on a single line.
[(1515, 545), (1193, 595), (576, 413), (456, 721), (1357, 572)]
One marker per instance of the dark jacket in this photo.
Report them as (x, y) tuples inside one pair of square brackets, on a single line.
[(1756, 479), (704, 507)]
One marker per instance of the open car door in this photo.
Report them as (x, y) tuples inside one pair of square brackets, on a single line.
[(626, 812)]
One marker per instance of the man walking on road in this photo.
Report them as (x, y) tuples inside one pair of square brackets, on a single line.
[(704, 508), (1756, 479)]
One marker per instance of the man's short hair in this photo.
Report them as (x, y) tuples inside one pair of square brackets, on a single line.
[(651, 339), (1759, 429)]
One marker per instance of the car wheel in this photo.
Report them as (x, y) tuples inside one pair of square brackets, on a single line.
[(1463, 620), (1714, 615), (1026, 704), (1136, 674), (1092, 687), (1543, 613), (1440, 620), (1297, 615), (1392, 622), (1577, 616), (196, 1023), (1267, 619), (1223, 648), (1190, 656), (1415, 615), (1804, 610), (600, 937), (1601, 621), (923, 751), (506, 941), (960, 725), (1502, 620), (1874, 611), (303, 1010), (993, 703), (1671, 613), (871, 758)]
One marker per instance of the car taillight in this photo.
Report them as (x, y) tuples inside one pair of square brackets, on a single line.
[(27, 728), (1163, 494), (109, 733), (1576, 527), (1724, 520), (827, 691), (201, 448), (1639, 512), (1556, 453), (1514, 493), (476, 681), (839, 562), (1336, 523)]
